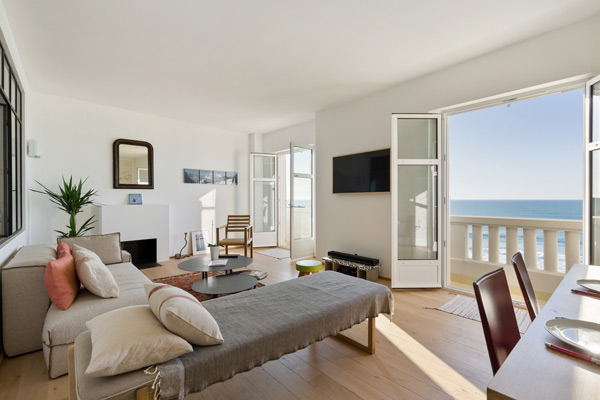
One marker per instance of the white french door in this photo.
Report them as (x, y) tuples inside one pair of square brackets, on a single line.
[(416, 198), (591, 209), (263, 199), (302, 238)]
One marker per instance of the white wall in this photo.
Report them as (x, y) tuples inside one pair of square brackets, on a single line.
[(362, 223), (76, 138), (8, 248), (301, 134)]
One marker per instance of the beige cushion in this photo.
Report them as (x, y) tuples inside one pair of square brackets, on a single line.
[(61, 328), (108, 247), (118, 387), (182, 314), (130, 338), (24, 299), (93, 274)]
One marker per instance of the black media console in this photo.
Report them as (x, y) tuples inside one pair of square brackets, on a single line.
[(352, 264)]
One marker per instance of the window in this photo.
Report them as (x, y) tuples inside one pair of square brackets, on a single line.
[(11, 150)]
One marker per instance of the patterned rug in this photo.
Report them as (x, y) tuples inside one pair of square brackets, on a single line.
[(186, 281), (466, 307), (275, 253)]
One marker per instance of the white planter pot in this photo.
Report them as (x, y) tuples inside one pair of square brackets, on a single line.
[(214, 253)]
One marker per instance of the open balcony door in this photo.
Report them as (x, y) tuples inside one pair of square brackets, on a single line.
[(591, 209), (302, 241), (263, 199), (416, 212)]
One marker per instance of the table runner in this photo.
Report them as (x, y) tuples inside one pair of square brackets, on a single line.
[(264, 324)]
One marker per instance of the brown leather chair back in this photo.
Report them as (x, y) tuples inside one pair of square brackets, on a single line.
[(497, 316), (526, 286)]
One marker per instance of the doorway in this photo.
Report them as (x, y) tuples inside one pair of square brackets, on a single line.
[(282, 198)]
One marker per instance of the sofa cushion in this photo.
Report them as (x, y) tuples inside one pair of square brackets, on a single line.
[(24, 299), (108, 247), (118, 387), (60, 278), (93, 274), (183, 314), (62, 327), (131, 338)]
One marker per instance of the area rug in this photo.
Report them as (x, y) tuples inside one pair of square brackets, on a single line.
[(275, 253), (466, 307), (186, 281)]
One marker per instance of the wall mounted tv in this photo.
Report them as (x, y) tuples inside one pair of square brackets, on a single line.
[(362, 172)]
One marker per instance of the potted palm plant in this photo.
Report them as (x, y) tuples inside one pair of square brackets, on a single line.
[(71, 199)]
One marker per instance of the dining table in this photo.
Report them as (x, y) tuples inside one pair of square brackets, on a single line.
[(533, 371)]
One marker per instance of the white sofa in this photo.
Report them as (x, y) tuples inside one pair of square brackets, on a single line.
[(30, 322)]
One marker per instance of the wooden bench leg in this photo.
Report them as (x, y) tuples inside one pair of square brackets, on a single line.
[(71, 371), (370, 347), (143, 394)]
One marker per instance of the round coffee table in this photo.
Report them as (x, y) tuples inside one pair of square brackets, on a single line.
[(225, 284), (202, 264)]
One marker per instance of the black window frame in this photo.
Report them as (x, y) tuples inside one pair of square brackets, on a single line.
[(12, 138)]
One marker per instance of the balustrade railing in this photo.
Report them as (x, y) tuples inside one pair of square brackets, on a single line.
[(570, 253)]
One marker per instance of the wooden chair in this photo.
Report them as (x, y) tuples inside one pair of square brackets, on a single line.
[(526, 286), (497, 316), (237, 223)]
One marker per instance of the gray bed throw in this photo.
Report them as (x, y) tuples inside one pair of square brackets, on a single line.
[(266, 323)]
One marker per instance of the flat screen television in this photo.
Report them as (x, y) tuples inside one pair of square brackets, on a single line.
[(362, 172)]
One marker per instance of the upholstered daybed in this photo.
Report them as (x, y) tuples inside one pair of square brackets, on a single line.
[(257, 326)]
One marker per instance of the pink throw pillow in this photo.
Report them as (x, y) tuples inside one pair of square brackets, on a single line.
[(62, 249), (61, 280)]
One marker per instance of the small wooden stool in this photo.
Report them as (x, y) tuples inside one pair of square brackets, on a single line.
[(307, 267)]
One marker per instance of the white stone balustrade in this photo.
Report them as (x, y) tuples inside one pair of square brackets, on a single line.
[(465, 268), (459, 237)]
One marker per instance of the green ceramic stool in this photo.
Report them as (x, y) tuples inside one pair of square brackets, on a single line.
[(306, 267)]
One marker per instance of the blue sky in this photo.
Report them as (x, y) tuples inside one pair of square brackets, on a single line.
[(530, 150)]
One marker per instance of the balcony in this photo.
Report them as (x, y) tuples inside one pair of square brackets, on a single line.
[(481, 244)]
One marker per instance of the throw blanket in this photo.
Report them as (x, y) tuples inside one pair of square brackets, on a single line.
[(264, 324)]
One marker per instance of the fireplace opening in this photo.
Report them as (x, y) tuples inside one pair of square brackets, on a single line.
[(143, 252)]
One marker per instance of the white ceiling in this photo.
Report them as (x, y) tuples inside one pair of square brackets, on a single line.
[(259, 65)]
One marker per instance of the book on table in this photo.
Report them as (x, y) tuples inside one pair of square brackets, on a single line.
[(217, 263)]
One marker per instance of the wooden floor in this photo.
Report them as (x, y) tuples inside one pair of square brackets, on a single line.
[(421, 354)]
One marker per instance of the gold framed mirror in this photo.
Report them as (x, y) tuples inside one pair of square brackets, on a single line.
[(133, 164)]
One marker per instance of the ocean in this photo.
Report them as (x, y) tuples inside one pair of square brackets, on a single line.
[(544, 209)]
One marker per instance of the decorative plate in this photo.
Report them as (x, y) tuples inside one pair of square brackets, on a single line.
[(590, 284), (582, 334)]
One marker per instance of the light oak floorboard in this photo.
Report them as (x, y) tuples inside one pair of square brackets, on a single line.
[(421, 354)]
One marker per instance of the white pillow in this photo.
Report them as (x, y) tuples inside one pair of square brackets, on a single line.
[(130, 338), (94, 275), (182, 313)]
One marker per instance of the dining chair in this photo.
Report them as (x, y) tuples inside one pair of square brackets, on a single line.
[(525, 284), (239, 224), (498, 318)]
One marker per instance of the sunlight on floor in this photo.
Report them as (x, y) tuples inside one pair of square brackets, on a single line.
[(448, 380)]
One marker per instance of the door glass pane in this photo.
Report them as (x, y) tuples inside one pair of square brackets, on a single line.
[(19, 177), (302, 210), (417, 139), (302, 161), (13, 91), (417, 212), (13, 143), (264, 167), (595, 207), (264, 206), (6, 76), (595, 112)]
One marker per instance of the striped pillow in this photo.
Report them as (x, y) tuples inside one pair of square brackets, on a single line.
[(182, 314)]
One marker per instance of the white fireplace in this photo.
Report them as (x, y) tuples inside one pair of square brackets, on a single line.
[(138, 222)]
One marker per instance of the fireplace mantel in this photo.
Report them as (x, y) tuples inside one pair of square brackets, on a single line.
[(138, 222)]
